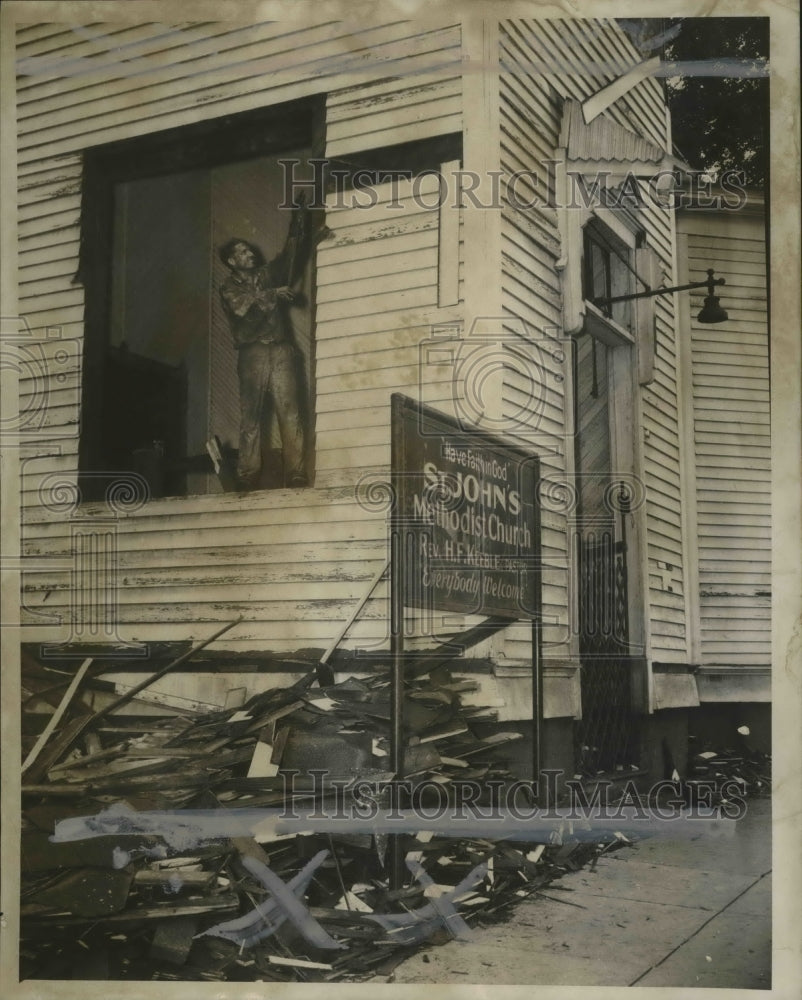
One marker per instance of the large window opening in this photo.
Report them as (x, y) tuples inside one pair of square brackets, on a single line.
[(165, 359)]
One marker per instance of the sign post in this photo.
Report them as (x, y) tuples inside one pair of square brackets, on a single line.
[(465, 538)]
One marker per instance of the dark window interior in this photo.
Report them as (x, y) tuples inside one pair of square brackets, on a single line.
[(160, 375), (160, 368), (606, 273)]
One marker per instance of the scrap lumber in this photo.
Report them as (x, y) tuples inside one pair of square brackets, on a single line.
[(443, 654), (325, 675), (132, 692), (72, 732), (740, 765), (272, 906), (55, 718)]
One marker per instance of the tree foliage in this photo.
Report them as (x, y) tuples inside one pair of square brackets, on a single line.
[(717, 89)]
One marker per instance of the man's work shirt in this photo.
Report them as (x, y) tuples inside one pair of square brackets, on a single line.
[(254, 311)]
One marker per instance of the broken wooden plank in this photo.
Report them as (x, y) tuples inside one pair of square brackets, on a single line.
[(223, 903), (132, 692), (122, 784), (261, 765), (323, 676), (56, 716), (174, 880), (57, 748), (78, 726), (134, 766), (422, 663), (298, 963)]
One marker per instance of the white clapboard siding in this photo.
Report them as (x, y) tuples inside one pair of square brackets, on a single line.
[(387, 112), (731, 440), (164, 577), (377, 300), (531, 299), (293, 563), (276, 64), (542, 62)]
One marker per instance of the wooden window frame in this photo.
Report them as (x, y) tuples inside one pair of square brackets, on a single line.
[(231, 138), (624, 403)]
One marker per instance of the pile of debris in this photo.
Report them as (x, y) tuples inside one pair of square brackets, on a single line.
[(741, 766), (122, 880)]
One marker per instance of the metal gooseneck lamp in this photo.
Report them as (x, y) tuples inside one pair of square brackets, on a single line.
[(711, 311)]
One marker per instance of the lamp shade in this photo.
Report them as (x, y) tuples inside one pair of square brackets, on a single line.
[(711, 311)]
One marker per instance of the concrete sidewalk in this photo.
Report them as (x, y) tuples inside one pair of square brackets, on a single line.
[(681, 913)]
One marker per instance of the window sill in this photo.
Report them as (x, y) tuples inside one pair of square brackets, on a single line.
[(605, 329), (199, 503)]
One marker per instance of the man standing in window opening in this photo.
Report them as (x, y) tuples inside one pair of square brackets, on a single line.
[(255, 297)]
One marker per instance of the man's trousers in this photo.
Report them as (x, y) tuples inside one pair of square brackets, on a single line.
[(270, 370)]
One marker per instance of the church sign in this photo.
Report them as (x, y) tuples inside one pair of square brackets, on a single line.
[(465, 506)]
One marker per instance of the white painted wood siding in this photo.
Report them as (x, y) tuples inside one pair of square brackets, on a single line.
[(544, 62), (532, 308), (730, 437), (293, 563)]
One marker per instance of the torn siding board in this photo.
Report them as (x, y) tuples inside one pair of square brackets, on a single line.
[(81, 86), (576, 58), (731, 443), (642, 108)]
